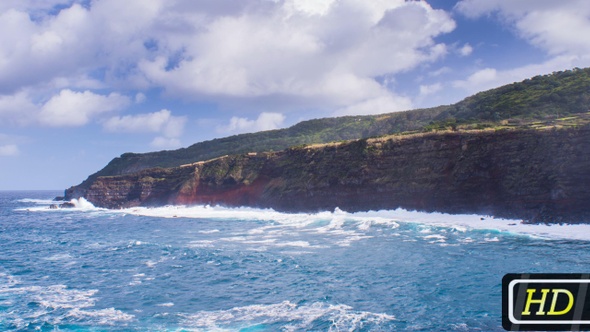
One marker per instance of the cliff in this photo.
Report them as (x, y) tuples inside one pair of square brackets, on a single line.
[(537, 174), (539, 98)]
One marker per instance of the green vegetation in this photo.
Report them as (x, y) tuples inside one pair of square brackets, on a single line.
[(559, 99)]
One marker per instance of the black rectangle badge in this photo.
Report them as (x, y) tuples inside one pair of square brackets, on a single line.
[(548, 302)]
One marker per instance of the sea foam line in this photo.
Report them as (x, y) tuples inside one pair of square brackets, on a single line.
[(459, 222), (363, 220)]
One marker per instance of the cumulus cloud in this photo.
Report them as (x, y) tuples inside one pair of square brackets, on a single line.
[(8, 150), (165, 143), (383, 104), (327, 52), (466, 50), (558, 27), (71, 108), (17, 109), (66, 108), (321, 52), (265, 121), (163, 123), (488, 78), (158, 122)]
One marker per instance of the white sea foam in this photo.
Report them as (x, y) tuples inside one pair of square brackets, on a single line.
[(167, 304), (293, 317), (59, 257), (54, 303), (37, 201), (108, 316), (333, 221), (209, 231), (43, 205)]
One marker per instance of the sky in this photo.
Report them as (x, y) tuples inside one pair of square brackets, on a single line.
[(83, 81)]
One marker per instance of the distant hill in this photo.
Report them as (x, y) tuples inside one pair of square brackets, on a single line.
[(541, 98)]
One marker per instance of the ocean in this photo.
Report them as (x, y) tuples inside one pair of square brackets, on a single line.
[(208, 268)]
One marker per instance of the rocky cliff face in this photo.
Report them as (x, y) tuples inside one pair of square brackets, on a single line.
[(540, 175)]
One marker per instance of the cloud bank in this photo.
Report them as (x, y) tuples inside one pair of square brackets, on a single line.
[(324, 54), (557, 28)]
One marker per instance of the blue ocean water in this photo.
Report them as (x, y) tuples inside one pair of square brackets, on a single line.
[(88, 269)]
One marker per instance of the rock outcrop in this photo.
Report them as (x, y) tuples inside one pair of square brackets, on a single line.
[(539, 175)]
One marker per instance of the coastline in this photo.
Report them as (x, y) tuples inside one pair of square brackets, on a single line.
[(385, 218)]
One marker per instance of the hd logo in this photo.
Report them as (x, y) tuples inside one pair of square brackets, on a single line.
[(549, 302)]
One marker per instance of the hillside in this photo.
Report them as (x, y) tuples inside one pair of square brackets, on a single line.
[(538, 175), (541, 98)]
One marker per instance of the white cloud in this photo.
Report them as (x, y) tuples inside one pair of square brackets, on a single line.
[(440, 72), (8, 150), (165, 143), (157, 122), (32, 5), (70, 108), (265, 121), (430, 89), (378, 105), (140, 98), (482, 78), (558, 27), (324, 53), (169, 127), (466, 50), (320, 52), (17, 109), (488, 78)]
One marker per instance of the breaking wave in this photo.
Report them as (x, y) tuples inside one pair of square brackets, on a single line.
[(333, 221), (38, 305), (287, 316)]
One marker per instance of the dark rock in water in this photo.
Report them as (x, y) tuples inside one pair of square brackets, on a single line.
[(59, 198), (67, 205), (53, 206)]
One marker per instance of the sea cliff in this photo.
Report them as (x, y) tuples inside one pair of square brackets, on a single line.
[(538, 175)]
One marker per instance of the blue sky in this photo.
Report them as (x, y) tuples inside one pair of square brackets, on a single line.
[(82, 82)]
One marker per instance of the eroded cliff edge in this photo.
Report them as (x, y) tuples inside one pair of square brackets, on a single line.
[(539, 175)]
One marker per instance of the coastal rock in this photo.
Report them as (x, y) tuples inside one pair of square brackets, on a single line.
[(538, 175), (67, 205)]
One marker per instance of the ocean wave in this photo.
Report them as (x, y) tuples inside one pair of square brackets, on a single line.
[(45, 205), (333, 221), (288, 316), (53, 305)]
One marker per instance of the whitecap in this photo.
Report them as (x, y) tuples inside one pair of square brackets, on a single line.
[(167, 304), (293, 317), (54, 304), (209, 231)]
